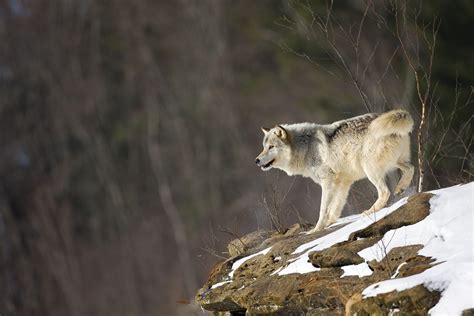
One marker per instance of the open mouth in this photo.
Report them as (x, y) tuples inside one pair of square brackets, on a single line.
[(268, 165)]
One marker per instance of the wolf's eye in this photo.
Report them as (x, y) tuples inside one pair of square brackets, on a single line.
[(270, 147)]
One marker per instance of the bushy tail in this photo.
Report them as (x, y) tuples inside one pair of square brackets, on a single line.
[(397, 122)]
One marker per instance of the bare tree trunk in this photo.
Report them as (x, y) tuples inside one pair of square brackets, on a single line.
[(421, 148), (419, 73)]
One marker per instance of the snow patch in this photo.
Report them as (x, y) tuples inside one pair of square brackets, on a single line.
[(237, 264), (447, 236), (241, 261), (357, 222), (398, 270), (219, 284), (361, 270)]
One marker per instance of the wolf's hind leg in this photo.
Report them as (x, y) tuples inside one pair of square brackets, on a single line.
[(378, 179), (407, 174)]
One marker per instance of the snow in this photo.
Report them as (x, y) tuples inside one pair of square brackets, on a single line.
[(301, 264), (398, 270), (237, 264), (361, 270), (241, 261), (276, 271), (345, 220), (447, 236), (219, 284)]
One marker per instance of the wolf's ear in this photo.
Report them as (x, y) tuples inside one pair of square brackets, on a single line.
[(265, 130), (281, 132)]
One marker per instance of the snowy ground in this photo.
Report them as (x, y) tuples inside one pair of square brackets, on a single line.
[(447, 236), (357, 222), (237, 264)]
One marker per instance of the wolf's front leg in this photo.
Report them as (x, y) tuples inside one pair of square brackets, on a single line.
[(327, 192), (338, 201)]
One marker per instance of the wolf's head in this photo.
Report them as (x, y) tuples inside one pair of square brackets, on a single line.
[(276, 149)]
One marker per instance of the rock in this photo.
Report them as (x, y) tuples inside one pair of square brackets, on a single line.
[(414, 265), (334, 258), (341, 254), (416, 209), (243, 244), (255, 287), (398, 257), (415, 301), (297, 228)]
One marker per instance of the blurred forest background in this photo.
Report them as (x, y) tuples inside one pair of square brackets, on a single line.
[(129, 131)]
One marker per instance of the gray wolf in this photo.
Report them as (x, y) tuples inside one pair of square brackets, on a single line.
[(338, 154)]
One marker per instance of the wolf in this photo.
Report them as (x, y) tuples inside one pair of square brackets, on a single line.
[(338, 154)]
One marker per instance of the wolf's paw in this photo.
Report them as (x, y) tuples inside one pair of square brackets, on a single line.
[(315, 229), (399, 190), (369, 213)]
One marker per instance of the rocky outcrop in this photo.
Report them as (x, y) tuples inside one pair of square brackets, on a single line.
[(250, 281)]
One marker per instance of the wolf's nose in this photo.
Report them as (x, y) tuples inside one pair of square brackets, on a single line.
[(257, 161)]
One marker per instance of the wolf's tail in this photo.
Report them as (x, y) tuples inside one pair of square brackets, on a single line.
[(397, 122)]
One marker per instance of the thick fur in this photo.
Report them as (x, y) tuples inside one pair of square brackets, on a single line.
[(338, 154)]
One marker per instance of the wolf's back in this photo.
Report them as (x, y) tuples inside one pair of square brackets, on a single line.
[(397, 122)]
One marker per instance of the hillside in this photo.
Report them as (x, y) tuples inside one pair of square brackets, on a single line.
[(414, 257)]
